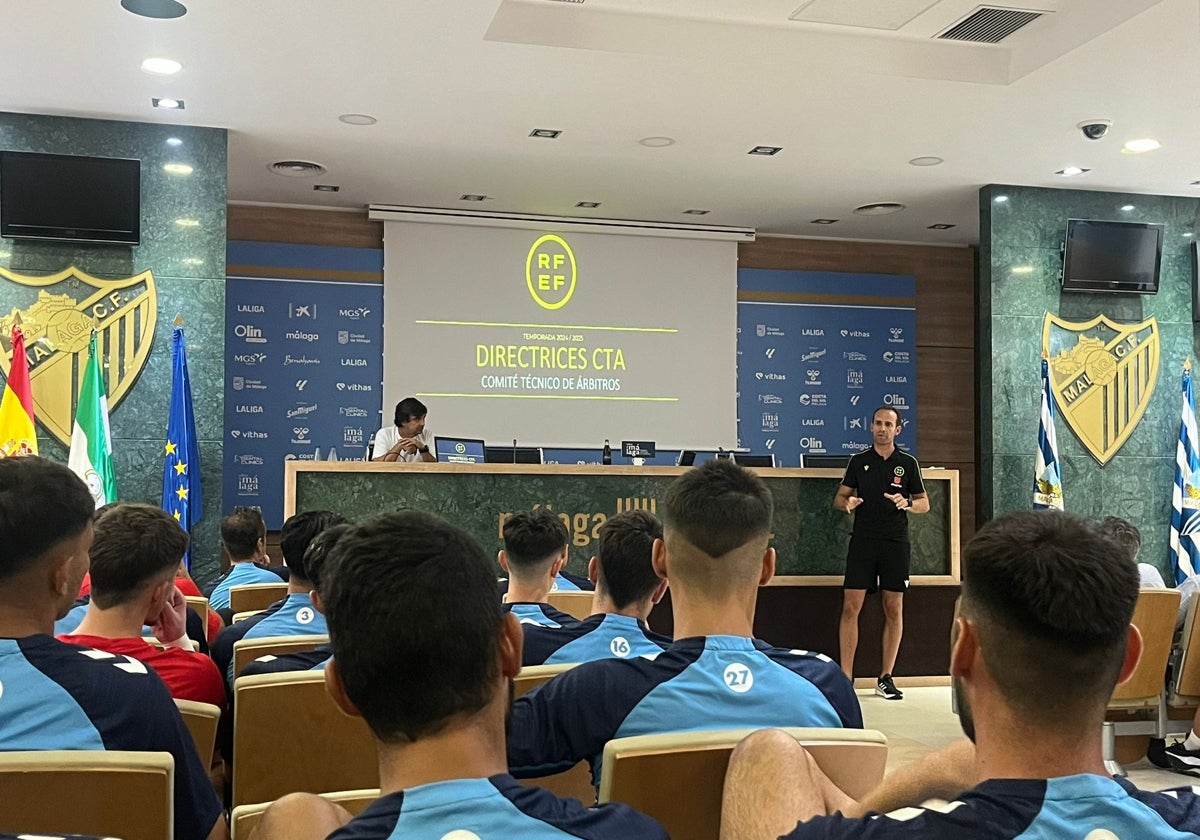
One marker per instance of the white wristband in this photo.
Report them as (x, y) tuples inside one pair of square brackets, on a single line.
[(184, 643)]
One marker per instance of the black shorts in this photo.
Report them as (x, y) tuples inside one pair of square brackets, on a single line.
[(877, 564)]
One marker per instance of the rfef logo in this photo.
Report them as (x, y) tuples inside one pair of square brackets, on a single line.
[(551, 271)]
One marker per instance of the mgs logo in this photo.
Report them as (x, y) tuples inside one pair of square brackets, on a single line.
[(251, 359)]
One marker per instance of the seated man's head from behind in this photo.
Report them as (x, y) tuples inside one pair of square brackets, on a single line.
[(300, 530), (135, 554), (622, 569), (717, 525), (535, 546), (316, 562), (244, 534), (1045, 612), (45, 532), (420, 644)]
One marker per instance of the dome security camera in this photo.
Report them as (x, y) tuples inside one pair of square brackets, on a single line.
[(1094, 129)]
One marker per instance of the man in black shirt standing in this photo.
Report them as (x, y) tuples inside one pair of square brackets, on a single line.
[(882, 485)]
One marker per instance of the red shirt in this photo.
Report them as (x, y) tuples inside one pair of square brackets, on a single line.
[(188, 675), (186, 585)]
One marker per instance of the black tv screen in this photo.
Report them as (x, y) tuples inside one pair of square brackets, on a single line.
[(85, 199), (1122, 257)]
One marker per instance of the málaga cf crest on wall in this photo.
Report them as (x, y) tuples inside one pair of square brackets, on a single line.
[(57, 313), (1102, 374)]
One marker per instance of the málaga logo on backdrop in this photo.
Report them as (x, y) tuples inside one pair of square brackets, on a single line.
[(57, 313), (1102, 374)]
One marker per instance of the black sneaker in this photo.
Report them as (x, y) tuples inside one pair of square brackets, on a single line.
[(886, 688), (1183, 760)]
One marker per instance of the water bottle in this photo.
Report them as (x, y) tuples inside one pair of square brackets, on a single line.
[(606, 455)]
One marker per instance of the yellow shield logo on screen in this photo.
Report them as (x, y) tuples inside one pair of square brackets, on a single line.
[(551, 271), (1102, 375), (57, 313)]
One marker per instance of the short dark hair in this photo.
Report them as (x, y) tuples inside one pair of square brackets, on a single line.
[(241, 531), (1053, 598), (414, 622), (133, 545), (718, 507), (298, 531), (409, 408), (41, 504), (891, 408), (1124, 533), (533, 537), (316, 558), (623, 557)]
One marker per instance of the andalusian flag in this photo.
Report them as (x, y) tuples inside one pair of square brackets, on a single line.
[(17, 436), (91, 440), (181, 454)]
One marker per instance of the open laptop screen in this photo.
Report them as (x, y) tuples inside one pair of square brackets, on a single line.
[(458, 450)]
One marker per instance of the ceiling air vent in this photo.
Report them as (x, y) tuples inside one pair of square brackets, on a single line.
[(989, 25), (296, 168)]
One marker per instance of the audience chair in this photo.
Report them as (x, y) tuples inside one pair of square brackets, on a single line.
[(1183, 691), (531, 676), (245, 818), (255, 596), (679, 777), (246, 651), (288, 736), (201, 720), (1142, 695), (199, 605), (96, 792), (241, 616), (575, 783), (577, 604)]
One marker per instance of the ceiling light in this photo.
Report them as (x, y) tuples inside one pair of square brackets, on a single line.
[(188, 222), (1125, 208), (546, 133), (590, 205), (657, 142), (174, 141), (1000, 199), (160, 9), (766, 150), (167, 104), (177, 168), (357, 119), (823, 222), (472, 197), (928, 160), (1022, 269), (161, 66), (1145, 144), (326, 187), (696, 212), (1068, 171), (879, 208), (940, 226)]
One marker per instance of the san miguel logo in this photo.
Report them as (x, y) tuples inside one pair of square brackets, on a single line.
[(57, 313), (1102, 374)]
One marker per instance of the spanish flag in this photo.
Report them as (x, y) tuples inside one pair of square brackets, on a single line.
[(17, 435)]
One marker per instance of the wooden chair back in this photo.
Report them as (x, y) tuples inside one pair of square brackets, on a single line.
[(531, 676), (576, 604), (245, 818), (1185, 685), (102, 793), (679, 778), (246, 651), (318, 750), (255, 596), (1154, 616), (199, 605), (201, 721), (575, 783)]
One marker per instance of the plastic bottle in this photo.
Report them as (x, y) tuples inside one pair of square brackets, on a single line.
[(606, 456)]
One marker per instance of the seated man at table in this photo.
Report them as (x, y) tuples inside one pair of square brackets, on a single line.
[(244, 536), (627, 588), (1041, 636), (63, 697), (423, 652), (535, 550), (134, 555), (716, 675)]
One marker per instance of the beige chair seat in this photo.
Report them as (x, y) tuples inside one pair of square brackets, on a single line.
[(245, 818)]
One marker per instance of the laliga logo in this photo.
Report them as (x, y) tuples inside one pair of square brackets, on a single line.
[(549, 269)]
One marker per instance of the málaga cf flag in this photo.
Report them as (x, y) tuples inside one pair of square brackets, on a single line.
[(17, 436), (91, 439), (181, 454), (1185, 497), (1047, 477)]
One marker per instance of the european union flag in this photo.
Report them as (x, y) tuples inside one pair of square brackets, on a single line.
[(181, 456)]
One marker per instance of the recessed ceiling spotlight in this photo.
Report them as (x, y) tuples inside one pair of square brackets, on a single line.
[(167, 104), (766, 150), (473, 197), (657, 142), (1000, 199), (326, 187), (546, 133), (940, 226), (357, 119), (161, 66), (1068, 171), (879, 208), (823, 222), (696, 212), (159, 9), (590, 205), (188, 222), (174, 141), (178, 168), (1125, 208), (296, 168), (927, 160), (1145, 144)]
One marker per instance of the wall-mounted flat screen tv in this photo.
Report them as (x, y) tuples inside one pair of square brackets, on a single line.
[(82, 199), (1121, 257)]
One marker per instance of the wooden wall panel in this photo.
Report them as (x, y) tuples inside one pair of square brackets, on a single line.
[(299, 226)]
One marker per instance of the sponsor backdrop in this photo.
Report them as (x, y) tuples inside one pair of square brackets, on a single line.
[(304, 366), (817, 353)]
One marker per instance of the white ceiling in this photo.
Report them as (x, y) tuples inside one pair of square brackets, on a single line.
[(457, 85)]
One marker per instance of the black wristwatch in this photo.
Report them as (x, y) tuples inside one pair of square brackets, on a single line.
[(424, 450)]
